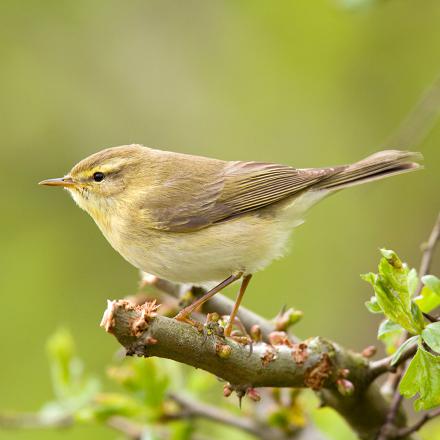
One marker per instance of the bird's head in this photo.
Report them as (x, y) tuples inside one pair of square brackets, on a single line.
[(102, 181)]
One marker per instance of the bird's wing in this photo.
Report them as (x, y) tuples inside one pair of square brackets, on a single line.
[(235, 189)]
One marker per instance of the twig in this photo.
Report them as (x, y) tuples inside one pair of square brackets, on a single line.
[(191, 408), (34, 421), (382, 366), (394, 408), (404, 432), (428, 250)]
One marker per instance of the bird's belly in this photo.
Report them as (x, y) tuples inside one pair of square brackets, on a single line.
[(246, 244)]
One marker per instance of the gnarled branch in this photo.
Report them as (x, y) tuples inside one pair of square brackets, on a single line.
[(342, 376)]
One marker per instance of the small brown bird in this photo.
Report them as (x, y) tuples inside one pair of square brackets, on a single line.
[(192, 219)]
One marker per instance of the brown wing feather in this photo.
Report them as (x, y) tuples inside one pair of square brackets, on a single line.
[(234, 189)]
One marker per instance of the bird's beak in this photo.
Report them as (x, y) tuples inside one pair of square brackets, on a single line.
[(65, 181)]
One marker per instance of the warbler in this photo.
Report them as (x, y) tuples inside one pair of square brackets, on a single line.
[(193, 219)]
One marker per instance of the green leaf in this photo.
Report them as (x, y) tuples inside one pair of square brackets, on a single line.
[(393, 308), (373, 305), (393, 287), (61, 351), (147, 380), (391, 258), (402, 348), (390, 333), (423, 378), (412, 282), (386, 327), (394, 274), (431, 335), (432, 282), (72, 388), (417, 317), (427, 300), (369, 277)]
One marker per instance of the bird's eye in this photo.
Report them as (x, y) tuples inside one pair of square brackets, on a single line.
[(98, 176)]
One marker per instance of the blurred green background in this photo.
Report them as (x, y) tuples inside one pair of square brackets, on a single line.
[(306, 83)]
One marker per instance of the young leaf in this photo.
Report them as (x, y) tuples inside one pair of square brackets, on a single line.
[(393, 307), (386, 327), (432, 282), (373, 305), (431, 335), (61, 352), (423, 378), (417, 316), (402, 348), (412, 282), (427, 300), (393, 286), (394, 274), (389, 333)]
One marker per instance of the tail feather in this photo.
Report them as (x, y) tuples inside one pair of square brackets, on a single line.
[(377, 166)]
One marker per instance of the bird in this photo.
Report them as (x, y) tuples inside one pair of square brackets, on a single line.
[(204, 221)]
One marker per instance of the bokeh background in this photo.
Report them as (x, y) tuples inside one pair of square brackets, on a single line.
[(306, 83)]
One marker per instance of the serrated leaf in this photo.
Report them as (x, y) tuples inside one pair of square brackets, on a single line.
[(432, 282), (431, 335), (393, 287), (402, 348), (422, 378)]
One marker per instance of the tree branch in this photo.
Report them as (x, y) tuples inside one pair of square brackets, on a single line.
[(314, 363), (343, 377)]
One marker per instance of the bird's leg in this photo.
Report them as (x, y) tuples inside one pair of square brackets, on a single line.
[(183, 315), (243, 287)]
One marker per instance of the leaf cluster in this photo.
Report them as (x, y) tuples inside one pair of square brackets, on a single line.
[(395, 287)]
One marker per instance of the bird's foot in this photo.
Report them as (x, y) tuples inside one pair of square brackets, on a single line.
[(184, 316)]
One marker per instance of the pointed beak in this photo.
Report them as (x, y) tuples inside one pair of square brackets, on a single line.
[(65, 181)]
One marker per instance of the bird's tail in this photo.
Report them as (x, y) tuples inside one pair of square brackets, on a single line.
[(377, 166)]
